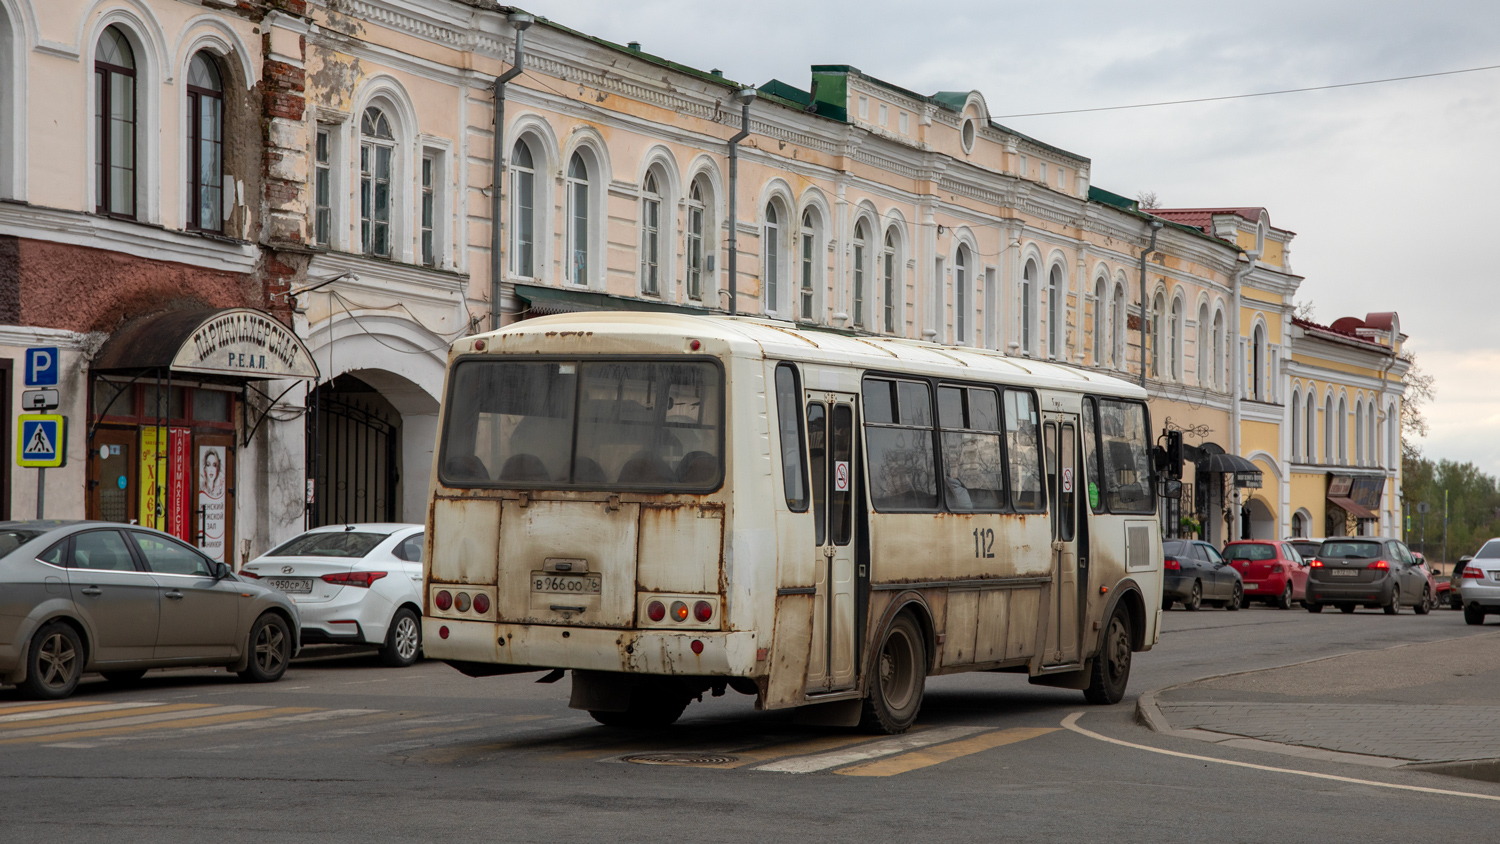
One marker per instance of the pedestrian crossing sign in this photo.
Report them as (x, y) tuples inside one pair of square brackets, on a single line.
[(40, 440)]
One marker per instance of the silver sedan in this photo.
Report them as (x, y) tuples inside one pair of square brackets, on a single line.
[(120, 599)]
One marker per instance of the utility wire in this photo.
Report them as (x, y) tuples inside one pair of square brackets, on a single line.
[(1248, 96)]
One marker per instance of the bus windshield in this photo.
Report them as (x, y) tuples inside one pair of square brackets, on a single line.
[(595, 425)]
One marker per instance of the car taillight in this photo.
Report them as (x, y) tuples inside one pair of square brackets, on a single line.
[(250, 574), (703, 611), (1171, 564), (1277, 568), (1379, 564), (481, 603), (1471, 574), (679, 611), (444, 600), (1315, 563), (354, 578), (656, 611)]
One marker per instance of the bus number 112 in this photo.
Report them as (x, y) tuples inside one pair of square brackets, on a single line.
[(984, 542)]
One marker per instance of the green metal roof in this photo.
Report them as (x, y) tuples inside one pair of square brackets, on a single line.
[(553, 300)]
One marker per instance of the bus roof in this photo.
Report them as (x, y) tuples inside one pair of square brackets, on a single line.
[(765, 338)]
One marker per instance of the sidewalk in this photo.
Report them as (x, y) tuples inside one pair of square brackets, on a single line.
[(1435, 703)]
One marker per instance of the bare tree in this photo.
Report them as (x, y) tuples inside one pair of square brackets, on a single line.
[(1421, 388), (1148, 199), (1305, 310)]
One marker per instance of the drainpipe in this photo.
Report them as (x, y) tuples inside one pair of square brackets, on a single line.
[(1155, 228), (744, 96), (519, 21), (1236, 367)]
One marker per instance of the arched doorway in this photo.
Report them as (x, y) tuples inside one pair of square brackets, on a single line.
[(353, 454), (1257, 521)]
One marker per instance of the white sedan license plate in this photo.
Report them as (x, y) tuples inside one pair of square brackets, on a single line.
[(1344, 572), (1249, 586), (566, 584), (291, 585)]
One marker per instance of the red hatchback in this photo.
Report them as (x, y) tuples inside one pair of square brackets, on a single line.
[(1273, 571)]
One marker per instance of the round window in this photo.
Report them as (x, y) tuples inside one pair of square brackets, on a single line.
[(968, 135)]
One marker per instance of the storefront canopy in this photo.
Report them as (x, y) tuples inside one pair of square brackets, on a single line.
[(237, 343), (1227, 463), (1357, 510)]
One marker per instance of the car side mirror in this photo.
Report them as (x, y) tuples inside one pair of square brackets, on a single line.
[(221, 571)]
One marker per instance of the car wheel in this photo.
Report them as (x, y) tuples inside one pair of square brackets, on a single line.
[(1395, 605), (1312, 607), (124, 678), (1473, 614), (1236, 599), (1111, 671), (1195, 598), (653, 704), (270, 645), (900, 678), (1285, 601), (403, 641), (54, 662), (1425, 604), (1346, 608)]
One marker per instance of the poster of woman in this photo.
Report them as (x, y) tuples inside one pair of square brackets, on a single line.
[(211, 502)]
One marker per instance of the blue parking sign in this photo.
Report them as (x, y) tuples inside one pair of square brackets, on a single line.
[(40, 441), (41, 366)]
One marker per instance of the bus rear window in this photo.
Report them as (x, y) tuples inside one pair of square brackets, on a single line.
[(1125, 444), (584, 424)]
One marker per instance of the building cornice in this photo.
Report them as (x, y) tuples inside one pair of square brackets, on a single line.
[(141, 240)]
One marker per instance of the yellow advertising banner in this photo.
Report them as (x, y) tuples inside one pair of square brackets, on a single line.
[(148, 479)]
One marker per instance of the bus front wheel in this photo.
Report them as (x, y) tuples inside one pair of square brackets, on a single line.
[(900, 674), (1111, 670)]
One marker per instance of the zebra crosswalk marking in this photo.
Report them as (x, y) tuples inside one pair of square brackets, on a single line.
[(33, 707), (137, 715), (940, 753), (869, 750), (90, 709), (154, 720)]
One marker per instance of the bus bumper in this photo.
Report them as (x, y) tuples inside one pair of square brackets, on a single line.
[(662, 652)]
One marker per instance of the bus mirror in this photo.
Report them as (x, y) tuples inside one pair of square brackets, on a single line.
[(1171, 489)]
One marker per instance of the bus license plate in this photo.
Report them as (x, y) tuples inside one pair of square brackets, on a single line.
[(566, 584), (1344, 572), (291, 585)]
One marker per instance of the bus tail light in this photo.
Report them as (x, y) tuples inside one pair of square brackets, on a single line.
[(1171, 564), (443, 600), (703, 611), (461, 602), (362, 579), (1379, 564), (656, 611), (679, 611), (481, 603)]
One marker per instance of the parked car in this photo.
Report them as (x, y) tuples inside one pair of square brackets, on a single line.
[(1306, 548), (355, 584), (1455, 582), (1367, 571), (1272, 571), (119, 599), (1480, 592), (1437, 586), (1195, 573)]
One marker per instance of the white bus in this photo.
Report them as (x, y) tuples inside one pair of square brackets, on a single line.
[(669, 504)]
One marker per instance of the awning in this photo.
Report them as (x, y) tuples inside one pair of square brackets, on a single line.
[(238, 343), (544, 301), (1359, 511), (1226, 463)]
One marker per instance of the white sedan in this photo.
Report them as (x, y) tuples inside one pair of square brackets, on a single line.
[(353, 584)]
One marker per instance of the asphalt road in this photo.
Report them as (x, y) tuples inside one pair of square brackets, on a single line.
[(343, 749)]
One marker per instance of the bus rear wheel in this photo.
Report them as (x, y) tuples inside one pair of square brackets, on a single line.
[(652, 706), (900, 676), (1111, 671)]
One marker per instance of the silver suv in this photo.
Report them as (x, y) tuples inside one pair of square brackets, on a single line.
[(1481, 583)]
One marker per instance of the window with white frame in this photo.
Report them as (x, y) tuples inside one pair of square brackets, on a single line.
[(1056, 305), (905, 126), (523, 210), (695, 219), (888, 284), (1175, 343), (807, 266), (1359, 433), (1392, 436), (377, 150), (205, 144), (1100, 304), (114, 125), (864, 107), (1117, 322), (1158, 307), (650, 235), (1296, 424), (1258, 363), (1330, 445), (1028, 306), (1343, 423), (861, 255), (579, 213), (1310, 429), (1023, 166), (885, 114), (1043, 171), (1219, 376), (323, 187), (1372, 449), (772, 268), (961, 295), (1201, 346), (431, 175)]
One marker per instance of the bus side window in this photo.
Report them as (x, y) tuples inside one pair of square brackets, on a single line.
[(1092, 477), (1023, 447), (973, 466), (899, 441), (1127, 462), (789, 426)]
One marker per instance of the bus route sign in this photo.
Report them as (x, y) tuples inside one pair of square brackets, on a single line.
[(40, 441)]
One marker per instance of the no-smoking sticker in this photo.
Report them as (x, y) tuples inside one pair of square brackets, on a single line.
[(841, 476), (1067, 479)]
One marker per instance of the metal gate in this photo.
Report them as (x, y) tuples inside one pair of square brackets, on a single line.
[(352, 463)]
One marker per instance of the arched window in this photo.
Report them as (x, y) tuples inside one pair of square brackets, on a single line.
[(1371, 441), (1299, 525), (1342, 420), (12, 136), (1310, 453), (114, 123), (1117, 328), (773, 259), (700, 238), (1158, 306), (523, 211), (861, 256), (1174, 345), (1330, 445), (807, 262), (1055, 306), (1202, 356), (1218, 343), (1296, 424), (1392, 436), (578, 214), (650, 235), (1028, 306), (205, 102), (1100, 330), (888, 285), (1359, 433), (961, 295), (377, 148), (1257, 364)]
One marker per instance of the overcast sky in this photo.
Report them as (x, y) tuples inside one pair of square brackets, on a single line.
[(1391, 189)]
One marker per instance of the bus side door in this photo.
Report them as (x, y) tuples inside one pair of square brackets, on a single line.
[(830, 446), (1060, 436)]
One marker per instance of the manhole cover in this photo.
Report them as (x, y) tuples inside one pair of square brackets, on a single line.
[(681, 759)]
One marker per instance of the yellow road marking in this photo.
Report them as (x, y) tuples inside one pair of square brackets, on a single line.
[(940, 753), (165, 725), (795, 748), (37, 707), (100, 716)]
